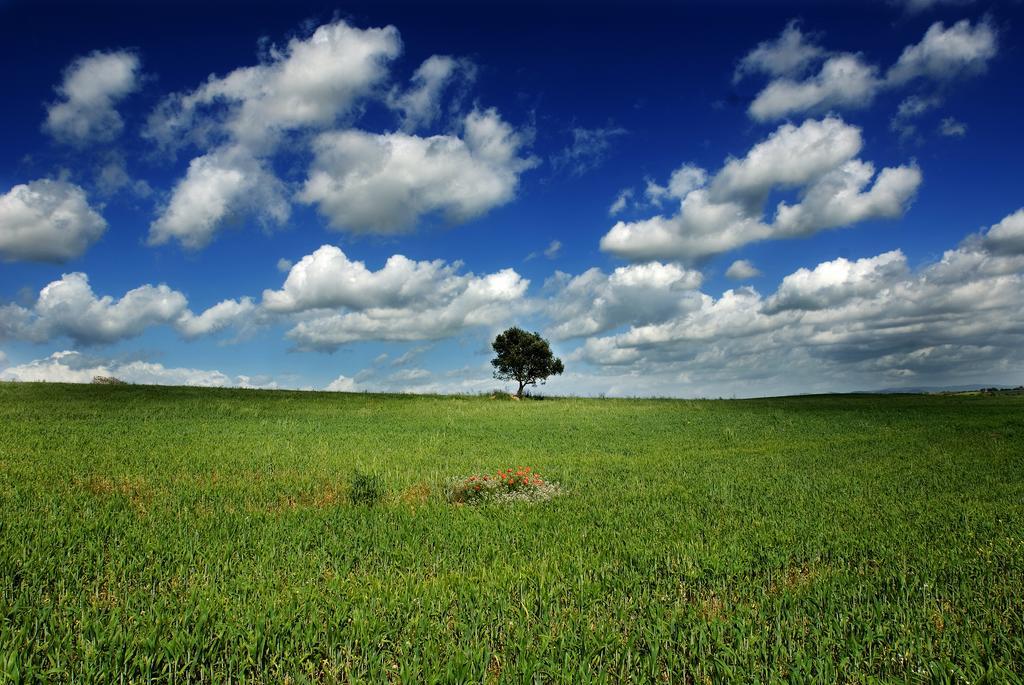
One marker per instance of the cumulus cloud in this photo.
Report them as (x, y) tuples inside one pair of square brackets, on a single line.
[(843, 81), (223, 315), (817, 157), (945, 54), (315, 88), (841, 325), (47, 221), (342, 384), (327, 278), (790, 157), (483, 301), (383, 183), (832, 283), (742, 270), (242, 117), (338, 300), (842, 197), (683, 180), (220, 187), (70, 366), (1007, 236), (310, 82), (788, 55), (846, 80), (69, 308), (92, 87), (595, 302)]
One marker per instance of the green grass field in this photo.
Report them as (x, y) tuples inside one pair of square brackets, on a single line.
[(191, 535)]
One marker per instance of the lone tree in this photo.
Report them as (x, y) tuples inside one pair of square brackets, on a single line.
[(523, 357)]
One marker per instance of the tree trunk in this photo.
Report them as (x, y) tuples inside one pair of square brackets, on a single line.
[(519, 393)]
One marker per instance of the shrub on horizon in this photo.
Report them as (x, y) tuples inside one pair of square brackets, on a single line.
[(107, 380)]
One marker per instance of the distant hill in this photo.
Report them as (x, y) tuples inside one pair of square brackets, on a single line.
[(935, 389)]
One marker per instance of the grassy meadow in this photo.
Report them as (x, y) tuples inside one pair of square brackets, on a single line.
[(206, 535)]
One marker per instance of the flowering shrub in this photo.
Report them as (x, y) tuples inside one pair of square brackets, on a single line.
[(510, 485)]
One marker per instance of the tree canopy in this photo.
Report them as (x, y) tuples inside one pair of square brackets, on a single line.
[(523, 357)]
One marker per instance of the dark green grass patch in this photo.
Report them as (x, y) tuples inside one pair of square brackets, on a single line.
[(187, 535)]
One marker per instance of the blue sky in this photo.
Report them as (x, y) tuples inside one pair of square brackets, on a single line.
[(699, 199)]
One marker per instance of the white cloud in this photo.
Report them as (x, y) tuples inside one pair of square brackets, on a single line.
[(944, 54), (327, 278), (909, 109), (420, 105), (73, 367), (342, 384), (842, 325), (284, 265), (384, 183), (952, 128), (473, 378), (92, 86), (742, 270), (588, 151), (361, 181), (595, 302), (243, 116), (832, 283), (916, 105), (68, 307), (553, 248), (112, 177), (622, 200), (222, 186), (47, 221), (788, 55), (683, 180), (844, 81), (839, 198), (408, 355), (790, 157), (1007, 236), (344, 301), (410, 376), (483, 301), (310, 82), (817, 157), (223, 315)]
